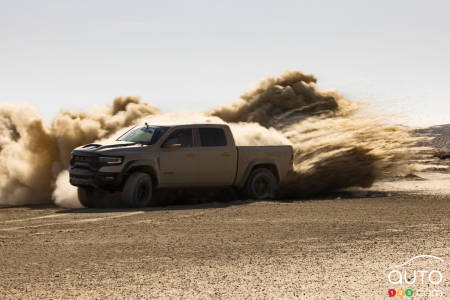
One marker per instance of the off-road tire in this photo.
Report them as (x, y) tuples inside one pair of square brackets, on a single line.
[(86, 196), (261, 185), (138, 190)]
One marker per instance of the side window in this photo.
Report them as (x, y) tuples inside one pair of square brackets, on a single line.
[(180, 136), (212, 137)]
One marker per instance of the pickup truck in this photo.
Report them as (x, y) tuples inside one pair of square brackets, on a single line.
[(150, 157)]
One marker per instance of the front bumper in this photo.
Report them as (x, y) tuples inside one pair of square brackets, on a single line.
[(87, 178)]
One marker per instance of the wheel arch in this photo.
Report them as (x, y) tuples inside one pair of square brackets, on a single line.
[(144, 169), (271, 166)]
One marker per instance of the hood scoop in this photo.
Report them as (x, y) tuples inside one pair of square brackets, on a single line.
[(115, 145), (91, 146)]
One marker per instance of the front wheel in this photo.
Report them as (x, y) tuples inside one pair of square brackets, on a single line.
[(86, 196), (261, 184), (137, 191)]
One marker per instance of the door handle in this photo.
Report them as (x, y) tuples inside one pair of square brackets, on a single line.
[(226, 154), (190, 155)]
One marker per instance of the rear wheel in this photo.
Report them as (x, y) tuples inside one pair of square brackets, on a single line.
[(86, 196), (138, 190), (261, 184)]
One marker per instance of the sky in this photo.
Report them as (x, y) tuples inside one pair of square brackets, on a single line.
[(194, 55)]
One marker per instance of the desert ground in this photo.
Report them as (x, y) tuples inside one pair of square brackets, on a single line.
[(334, 247)]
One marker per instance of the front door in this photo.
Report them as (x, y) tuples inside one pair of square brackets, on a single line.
[(177, 165)]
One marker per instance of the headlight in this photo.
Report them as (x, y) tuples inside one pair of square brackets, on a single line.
[(110, 160)]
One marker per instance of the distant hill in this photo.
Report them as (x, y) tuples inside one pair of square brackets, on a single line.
[(440, 137)]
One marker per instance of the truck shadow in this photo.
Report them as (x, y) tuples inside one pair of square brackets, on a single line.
[(183, 200), (210, 205), (205, 202)]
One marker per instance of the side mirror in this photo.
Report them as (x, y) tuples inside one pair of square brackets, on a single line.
[(172, 144)]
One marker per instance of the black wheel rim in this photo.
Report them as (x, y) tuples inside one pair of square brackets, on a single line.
[(142, 192), (261, 186)]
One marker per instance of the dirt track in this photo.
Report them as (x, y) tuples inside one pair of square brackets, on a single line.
[(335, 248)]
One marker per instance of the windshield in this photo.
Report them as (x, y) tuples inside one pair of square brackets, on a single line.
[(144, 135)]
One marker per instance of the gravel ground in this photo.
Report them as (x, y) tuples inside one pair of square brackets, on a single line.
[(309, 249)]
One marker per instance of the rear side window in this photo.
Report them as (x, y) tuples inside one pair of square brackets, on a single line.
[(212, 137)]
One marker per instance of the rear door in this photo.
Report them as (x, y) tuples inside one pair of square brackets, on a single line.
[(177, 164), (216, 161)]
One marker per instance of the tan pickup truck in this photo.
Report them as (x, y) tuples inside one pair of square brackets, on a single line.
[(151, 157)]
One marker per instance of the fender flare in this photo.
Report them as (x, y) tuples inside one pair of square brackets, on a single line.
[(146, 166)]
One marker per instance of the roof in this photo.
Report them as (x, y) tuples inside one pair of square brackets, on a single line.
[(185, 124)]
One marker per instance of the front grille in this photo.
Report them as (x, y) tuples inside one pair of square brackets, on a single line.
[(84, 159)]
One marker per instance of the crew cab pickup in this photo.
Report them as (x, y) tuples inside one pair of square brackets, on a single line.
[(150, 157)]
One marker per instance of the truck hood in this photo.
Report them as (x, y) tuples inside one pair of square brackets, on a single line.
[(110, 146)]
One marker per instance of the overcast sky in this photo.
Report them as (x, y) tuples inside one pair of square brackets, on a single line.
[(193, 55)]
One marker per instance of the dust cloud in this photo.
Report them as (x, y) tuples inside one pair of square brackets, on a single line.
[(32, 153), (335, 144)]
